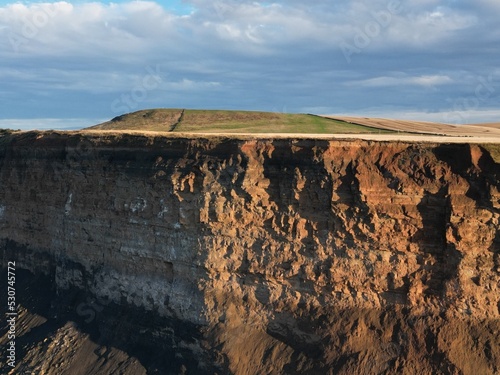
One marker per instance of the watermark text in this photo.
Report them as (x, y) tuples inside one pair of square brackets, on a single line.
[(11, 314)]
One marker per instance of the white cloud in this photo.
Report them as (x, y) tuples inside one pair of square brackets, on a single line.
[(445, 19), (78, 58), (125, 29), (403, 80), (85, 29), (431, 80), (188, 85)]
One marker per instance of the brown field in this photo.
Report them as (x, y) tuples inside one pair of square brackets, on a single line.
[(420, 127), (494, 125)]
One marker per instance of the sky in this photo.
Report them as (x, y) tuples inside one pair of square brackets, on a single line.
[(75, 64)]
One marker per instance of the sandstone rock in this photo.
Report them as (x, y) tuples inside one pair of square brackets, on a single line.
[(287, 255)]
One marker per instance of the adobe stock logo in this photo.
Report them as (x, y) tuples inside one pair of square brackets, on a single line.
[(462, 107), (130, 101), (91, 308), (31, 25), (363, 37), (223, 8)]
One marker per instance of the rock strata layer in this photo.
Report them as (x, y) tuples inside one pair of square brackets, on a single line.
[(284, 256)]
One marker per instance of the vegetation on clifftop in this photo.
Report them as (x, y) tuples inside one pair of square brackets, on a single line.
[(219, 121)]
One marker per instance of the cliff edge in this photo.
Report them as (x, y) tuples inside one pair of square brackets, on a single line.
[(145, 253)]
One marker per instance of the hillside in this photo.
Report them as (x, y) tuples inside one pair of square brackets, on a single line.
[(218, 121)]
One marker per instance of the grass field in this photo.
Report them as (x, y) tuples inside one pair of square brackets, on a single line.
[(238, 122)]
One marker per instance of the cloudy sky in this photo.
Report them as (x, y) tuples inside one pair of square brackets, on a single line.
[(71, 64)]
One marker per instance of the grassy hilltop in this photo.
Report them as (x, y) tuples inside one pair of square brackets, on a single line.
[(218, 121)]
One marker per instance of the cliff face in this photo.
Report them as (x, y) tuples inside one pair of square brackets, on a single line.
[(264, 256)]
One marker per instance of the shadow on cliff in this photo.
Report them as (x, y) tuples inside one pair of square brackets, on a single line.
[(431, 239), (391, 341), (323, 340), (300, 186), (480, 176), (159, 344), (495, 249)]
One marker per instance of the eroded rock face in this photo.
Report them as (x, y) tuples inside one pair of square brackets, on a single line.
[(289, 256)]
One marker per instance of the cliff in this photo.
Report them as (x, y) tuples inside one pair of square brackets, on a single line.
[(164, 254)]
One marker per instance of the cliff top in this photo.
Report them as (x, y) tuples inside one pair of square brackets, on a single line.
[(188, 121), (244, 125)]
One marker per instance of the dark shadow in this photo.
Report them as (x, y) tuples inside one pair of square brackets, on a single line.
[(292, 161), (486, 162), (159, 343), (431, 239), (491, 173), (495, 249), (459, 158), (314, 201), (433, 209), (298, 333)]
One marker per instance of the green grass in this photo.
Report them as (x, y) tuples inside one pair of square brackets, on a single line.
[(237, 122), (263, 122)]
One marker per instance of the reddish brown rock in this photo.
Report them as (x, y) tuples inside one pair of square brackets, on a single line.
[(285, 256)]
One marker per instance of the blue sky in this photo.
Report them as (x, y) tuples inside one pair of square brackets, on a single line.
[(73, 64)]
